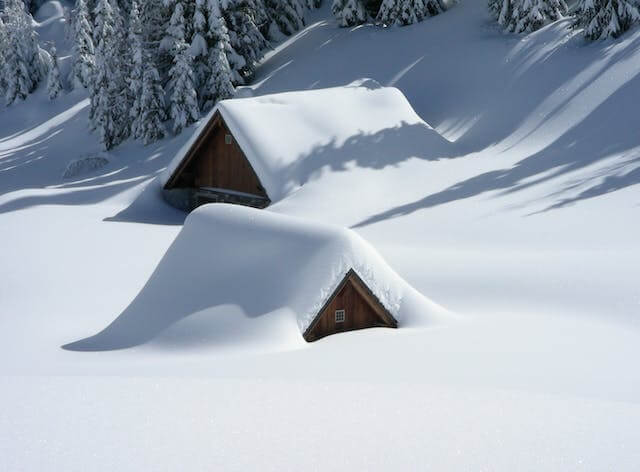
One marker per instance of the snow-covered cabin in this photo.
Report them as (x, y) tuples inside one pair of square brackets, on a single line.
[(265, 278), (257, 150)]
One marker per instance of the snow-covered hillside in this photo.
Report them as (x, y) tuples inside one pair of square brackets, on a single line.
[(525, 225)]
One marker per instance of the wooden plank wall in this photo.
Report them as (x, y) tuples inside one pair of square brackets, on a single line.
[(223, 165), (359, 314)]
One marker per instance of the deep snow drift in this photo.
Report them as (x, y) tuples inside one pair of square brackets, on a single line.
[(267, 265)]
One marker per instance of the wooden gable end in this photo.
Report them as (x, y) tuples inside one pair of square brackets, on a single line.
[(353, 301), (216, 161)]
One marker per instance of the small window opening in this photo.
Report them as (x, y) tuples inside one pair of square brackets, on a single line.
[(228, 139), (339, 316)]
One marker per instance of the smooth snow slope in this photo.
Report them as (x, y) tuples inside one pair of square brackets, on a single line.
[(528, 228)]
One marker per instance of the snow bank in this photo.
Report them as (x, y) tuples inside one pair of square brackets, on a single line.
[(282, 133), (261, 263)]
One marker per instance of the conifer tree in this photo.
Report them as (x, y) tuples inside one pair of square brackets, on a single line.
[(531, 15), (286, 15), (152, 113), (210, 49), (54, 87), (601, 19), (183, 107), (38, 59), (217, 83), (408, 12), (17, 82), (153, 15), (4, 46), (218, 32), (184, 100), (501, 11), (244, 35), (25, 63), (148, 125), (135, 77), (220, 86), (199, 48), (107, 114), (349, 12), (83, 50), (525, 16)]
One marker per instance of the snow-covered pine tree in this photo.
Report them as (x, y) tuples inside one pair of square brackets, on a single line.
[(152, 113), (218, 31), (286, 15), (434, 7), (83, 50), (17, 83), (531, 15), (166, 43), (106, 114), (134, 38), (606, 18), (217, 84), (501, 11), (408, 12), (124, 6), (349, 12), (26, 64), (37, 58), (122, 71), (184, 100), (387, 13), (220, 86), (183, 104), (54, 87), (149, 125), (199, 49), (244, 35), (4, 45), (524, 16), (189, 7), (154, 16)]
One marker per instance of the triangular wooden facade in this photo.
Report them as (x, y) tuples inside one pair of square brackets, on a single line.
[(217, 169), (351, 306)]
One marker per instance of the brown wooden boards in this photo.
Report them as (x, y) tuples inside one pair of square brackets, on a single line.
[(351, 306), (216, 161)]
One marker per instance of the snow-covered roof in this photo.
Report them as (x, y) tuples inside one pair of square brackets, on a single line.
[(264, 263), (279, 132)]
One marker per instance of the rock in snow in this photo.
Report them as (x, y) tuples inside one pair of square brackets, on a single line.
[(266, 264), (84, 165)]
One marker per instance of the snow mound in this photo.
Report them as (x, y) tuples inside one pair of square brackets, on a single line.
[(84, 165), (284, 134), (264, 265)]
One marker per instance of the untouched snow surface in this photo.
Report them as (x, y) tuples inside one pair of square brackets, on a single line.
[(527, 226)]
